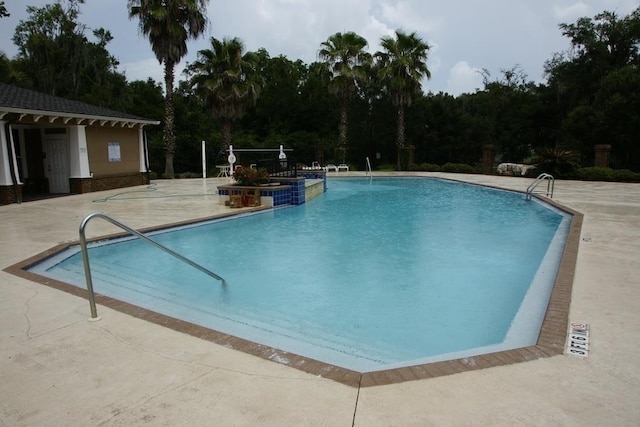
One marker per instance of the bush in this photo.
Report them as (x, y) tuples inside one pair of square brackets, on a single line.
[(457, 168), (186, 175), (594, 174), (625, 175), (607, 174), (558, 162), (429, 167), (386, 168)]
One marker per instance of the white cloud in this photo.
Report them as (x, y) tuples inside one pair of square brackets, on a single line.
[(405, 15), (494, 34), (571, 12), (143, 69), (463, 78)]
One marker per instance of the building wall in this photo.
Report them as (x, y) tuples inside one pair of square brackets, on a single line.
[(103, 145)]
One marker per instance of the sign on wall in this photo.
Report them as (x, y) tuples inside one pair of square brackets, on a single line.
[(114, 152)]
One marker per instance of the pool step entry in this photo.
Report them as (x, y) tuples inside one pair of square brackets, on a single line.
[(541, 178), (87, 267)]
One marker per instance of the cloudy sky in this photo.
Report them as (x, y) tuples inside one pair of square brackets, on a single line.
[(465, 36)]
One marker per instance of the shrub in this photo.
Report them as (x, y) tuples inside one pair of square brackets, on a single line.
[(457, 168), (386, 168), (625, 175), (556, 161), (607, 174), (186, 175), (594, 174), (429, 167)]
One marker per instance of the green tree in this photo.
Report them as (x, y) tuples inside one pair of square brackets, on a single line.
[(55, 57), (278, 110), (346, 61), (595, 87), (402, 66), (52, 48), (9, 72), (226, 81), (169, 24)]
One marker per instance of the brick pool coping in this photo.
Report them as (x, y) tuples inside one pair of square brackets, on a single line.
[(551, 340)]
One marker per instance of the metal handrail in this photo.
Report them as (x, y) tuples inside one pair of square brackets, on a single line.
[(87, 268), (542, 177), (369, 171)]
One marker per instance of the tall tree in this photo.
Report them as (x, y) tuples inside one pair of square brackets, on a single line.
[(595, 83), (169, 24), (403, 65), (52, 48), (346, 61), (55, 56), (227, 81)]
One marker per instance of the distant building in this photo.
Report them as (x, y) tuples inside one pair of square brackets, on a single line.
[(52, 145)]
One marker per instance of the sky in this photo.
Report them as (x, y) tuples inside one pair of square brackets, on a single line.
[(465, 36)]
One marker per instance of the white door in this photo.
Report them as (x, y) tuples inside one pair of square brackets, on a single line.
[(56, 148)]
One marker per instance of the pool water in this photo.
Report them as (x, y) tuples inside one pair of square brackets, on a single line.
[(374, 274)]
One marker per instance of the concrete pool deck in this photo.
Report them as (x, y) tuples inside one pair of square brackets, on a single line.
[(59, 369)]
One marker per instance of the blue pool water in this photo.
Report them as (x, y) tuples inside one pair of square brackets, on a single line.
[(371, 275)]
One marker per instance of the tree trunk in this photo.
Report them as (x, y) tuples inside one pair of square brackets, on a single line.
[(226, 134), (168, 135), (400, 137), (344, 126)]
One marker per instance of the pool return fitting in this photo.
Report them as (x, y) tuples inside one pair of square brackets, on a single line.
[(87, 268)]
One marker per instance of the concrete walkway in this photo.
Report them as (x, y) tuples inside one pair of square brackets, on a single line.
[(56, 368)]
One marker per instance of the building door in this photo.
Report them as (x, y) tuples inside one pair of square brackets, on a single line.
[(56, 149)]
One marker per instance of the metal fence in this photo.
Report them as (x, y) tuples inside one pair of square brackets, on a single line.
[(282, 168)]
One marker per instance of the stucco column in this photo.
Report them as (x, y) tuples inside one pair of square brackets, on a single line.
[(7, 158), (143, 151), (78, 154), (5, 164)]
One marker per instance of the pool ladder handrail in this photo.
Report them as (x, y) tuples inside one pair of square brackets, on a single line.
[(87, 268), (369, 172), (542, 177)]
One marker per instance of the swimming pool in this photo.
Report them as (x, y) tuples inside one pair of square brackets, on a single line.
[(372, 275)]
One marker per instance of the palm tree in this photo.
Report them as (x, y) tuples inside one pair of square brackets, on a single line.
[(227, 81), (346, 61), (402, 66), (169, 24)]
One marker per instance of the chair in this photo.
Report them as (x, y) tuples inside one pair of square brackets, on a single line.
[(342, 166), (332, 167)]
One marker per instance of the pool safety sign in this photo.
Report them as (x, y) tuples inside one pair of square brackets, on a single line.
[(578, 342), (114, 152)]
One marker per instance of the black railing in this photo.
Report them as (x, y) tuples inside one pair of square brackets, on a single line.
[(280, 168)]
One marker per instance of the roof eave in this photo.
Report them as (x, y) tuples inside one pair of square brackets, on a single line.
[(90, 119)]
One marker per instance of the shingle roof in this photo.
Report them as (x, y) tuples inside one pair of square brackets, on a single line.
[(14, 98)]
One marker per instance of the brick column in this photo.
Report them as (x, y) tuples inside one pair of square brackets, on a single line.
[(602, 155), (488, 154)]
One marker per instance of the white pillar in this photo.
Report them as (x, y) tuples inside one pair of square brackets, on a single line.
[(5, 158), (144, 159), (204, 160), (78, 154)]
